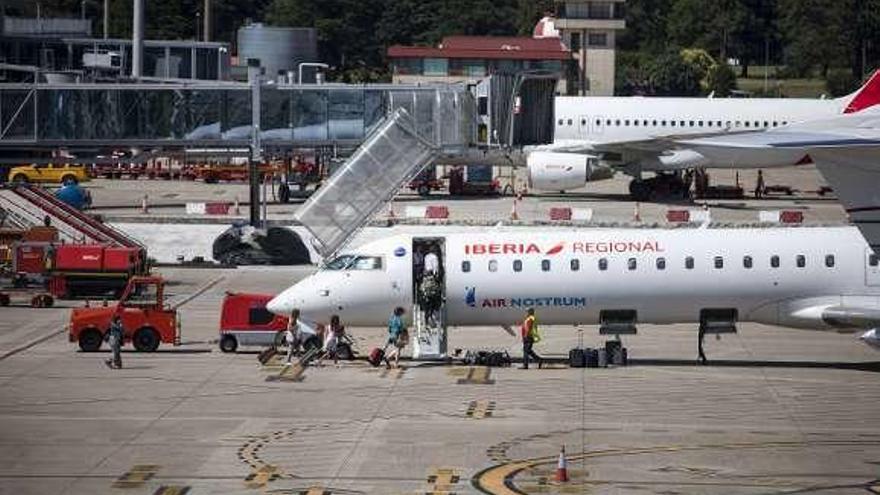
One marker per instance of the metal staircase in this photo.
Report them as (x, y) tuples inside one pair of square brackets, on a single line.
[(31, 204)]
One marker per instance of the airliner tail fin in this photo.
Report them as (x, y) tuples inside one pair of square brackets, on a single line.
[(866, 96)]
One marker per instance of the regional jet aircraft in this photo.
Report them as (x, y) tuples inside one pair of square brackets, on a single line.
[(596, 136), (805, 277)]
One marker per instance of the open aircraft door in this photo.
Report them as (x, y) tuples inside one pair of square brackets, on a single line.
[(429, 297), (872, 268)]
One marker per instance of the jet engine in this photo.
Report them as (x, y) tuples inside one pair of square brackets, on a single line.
[(563, 171)]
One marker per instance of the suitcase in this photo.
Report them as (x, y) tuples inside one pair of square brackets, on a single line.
[(602, 360), (266, 354), (376, 356), (592, 356), (577, 358)]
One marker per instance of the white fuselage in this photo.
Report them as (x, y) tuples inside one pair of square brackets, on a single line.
[(569, 276), (611, 119)]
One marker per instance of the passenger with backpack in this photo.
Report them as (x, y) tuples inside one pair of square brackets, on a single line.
[(292, 335), (115, 336), (398, 337)]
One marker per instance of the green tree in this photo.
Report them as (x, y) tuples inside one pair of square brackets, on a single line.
[(646, 26), (813, 30), (713, 25)]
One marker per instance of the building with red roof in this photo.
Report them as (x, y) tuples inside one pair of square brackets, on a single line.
[(470, 58)]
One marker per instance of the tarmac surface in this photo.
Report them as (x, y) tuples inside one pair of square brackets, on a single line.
[(777, 411)]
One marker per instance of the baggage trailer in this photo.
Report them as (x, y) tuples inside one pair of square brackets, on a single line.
[(146, 320)]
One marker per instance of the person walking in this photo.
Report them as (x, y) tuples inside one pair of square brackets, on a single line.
[(292, 335), (115, 336), (759, 188), (701, 355), (530, 336), (332, 335), (398, 337)]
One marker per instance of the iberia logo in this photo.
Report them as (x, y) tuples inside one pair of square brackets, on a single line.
[(512, 248)]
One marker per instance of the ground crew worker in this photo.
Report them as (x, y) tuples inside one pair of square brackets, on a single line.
[(700, 337), (292, 335), (759, 188), (530, 335), (114, 337), (398, 337)]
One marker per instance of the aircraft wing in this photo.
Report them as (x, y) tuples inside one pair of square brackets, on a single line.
[(846, 150), (654, 145)]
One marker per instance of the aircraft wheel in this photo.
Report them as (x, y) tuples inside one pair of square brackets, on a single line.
[(640, 190), (20, 179), (344, 352), (69, 179)]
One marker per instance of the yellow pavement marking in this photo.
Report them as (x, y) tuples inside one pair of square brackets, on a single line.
[(498, 480), (171, 490), (262, 476), (442, 481), (136, 476), (477, 375), (316, 490), (479, 409)]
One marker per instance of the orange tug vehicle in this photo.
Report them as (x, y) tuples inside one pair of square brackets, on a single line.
[(145, 318)]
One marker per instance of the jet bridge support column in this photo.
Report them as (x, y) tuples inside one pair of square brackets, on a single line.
[(256, 155)]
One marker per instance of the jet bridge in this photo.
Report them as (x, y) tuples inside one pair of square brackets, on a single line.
[(454, 124)]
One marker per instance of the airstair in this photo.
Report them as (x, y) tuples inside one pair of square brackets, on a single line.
[(429, 337), (29, 206)]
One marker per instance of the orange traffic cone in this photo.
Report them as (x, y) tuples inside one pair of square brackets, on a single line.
[(514, 215), (637, 213), (562, 467), (144, 207)]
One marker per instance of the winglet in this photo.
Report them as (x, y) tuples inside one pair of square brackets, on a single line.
[(866, 96)]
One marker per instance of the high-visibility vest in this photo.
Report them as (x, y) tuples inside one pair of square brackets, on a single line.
[(532, 324)]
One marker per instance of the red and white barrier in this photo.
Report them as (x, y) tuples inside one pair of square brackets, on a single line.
[(687, 216), (208, 208), (427, 212), (781, 216), (560, 214)]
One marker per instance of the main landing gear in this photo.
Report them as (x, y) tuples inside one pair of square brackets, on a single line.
[(662, 185)]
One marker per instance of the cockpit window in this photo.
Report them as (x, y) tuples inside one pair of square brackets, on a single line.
[(366, 263), (340, 262)]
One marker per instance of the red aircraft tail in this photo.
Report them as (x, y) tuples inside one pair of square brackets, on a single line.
[(865, 97)]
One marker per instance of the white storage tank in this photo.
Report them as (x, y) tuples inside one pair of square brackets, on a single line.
[(279, 49)]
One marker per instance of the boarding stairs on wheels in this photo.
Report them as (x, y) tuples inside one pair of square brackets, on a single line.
[(31, 204)]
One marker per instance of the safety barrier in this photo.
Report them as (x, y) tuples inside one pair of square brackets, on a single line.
[(781, 216), (429, 212), (687, 216), (208, 208), (560, 214)]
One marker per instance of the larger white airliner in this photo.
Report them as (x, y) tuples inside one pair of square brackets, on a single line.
[(596, 136)]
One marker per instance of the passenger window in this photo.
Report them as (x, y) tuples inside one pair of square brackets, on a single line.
[(691, 123), (645, 123), (873, 260), (465, 266), (829, 260), (626, 122), (700, 123), (617, 122), (598, 122), (517, 265), (560, 122), (774, 261), (801, 261), (747, 261), (682, 123), (757, 124), (608, 122), (661, 263), (631, 264), (493, 265), (545, 265), (766, 124), (775, 124), (636, 123), (575, 265), (672, 123), (603, 264), (719, 124), (583, 122), (709, 123), (719, 262), (569, 122), (748, 124), (689, 263), (664, 123)]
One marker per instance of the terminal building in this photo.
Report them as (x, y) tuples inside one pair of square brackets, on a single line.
[(471, 58), (589, 29), (577, 44), (62, 50)]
